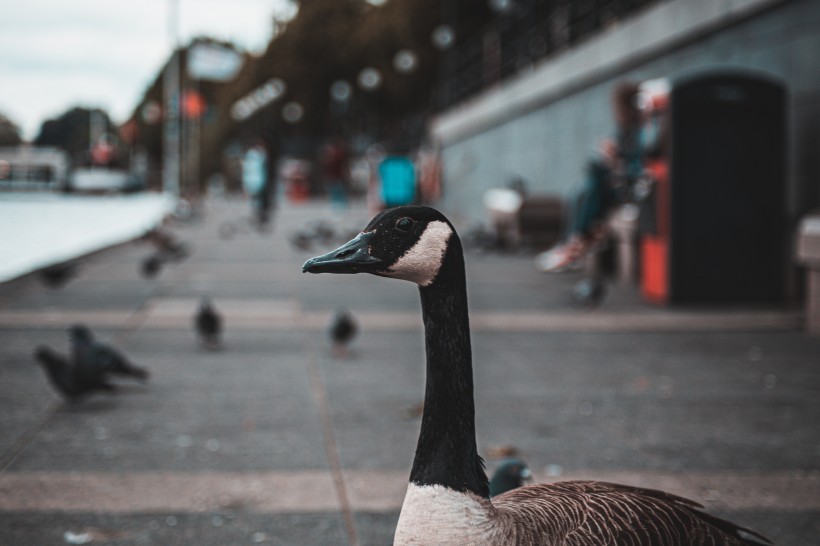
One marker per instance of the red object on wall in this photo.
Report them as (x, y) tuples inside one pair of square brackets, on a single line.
[(655, 247), (193, 104)]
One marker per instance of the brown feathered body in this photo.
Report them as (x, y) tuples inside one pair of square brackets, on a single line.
[(582, 513), (574, 513)]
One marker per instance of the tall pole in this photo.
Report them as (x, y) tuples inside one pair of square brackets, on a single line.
[(171, 98)]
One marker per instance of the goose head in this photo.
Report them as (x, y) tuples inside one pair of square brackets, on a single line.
[(409, 243)]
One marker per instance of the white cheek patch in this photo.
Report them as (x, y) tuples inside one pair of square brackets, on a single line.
[(422, 262)]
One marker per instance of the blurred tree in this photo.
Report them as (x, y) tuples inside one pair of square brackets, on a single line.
[(9, 132), (327, 41), (331, 40), (71, 131)]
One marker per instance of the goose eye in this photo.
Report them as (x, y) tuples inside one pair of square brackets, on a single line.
[(404, 224)]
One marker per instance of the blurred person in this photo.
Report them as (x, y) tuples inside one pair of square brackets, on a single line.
[(609, 180), (255, 181), (374, 155), (428, 161), (335, 171), (268, 195)]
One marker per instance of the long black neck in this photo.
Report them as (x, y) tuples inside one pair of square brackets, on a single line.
[(446, 453)]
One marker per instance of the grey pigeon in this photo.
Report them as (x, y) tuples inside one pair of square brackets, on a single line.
[(168, 246), (342, 330), (69, 381), (208, 324), (91, 356), (510, 474), (151, 266), (56, 276)]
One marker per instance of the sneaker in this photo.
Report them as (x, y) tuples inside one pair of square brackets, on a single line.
[(561, 258)]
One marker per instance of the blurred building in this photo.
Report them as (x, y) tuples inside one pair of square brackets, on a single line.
[(527, 96), (31, 168)]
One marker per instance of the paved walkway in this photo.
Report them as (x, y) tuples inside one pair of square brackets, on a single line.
[(274, 441)]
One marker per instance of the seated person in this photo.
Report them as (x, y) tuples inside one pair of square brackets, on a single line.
[(609, 180)]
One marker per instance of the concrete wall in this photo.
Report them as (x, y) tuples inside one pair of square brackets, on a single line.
[(543, 126)]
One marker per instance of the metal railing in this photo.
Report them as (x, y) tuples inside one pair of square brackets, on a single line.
[(526, 33)]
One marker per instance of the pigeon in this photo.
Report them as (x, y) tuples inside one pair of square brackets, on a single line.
[(323, 231), (589, 292), (301, 240), (70, 382), (91, 356), (168, 246), (56, 276), (510, 474), (208, 324), (151, 266), (342, 330)]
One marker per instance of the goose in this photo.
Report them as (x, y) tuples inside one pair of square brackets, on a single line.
[(447, 501)]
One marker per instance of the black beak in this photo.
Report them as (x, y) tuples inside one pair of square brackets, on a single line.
[(352, 257)]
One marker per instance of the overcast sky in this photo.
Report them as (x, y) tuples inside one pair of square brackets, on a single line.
[(55, 54)]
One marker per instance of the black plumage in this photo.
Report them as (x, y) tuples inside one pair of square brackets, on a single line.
[(208, 325), (342, 331), (71, 382), (94, 357)]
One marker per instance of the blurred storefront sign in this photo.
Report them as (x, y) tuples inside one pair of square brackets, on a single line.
[(256, 99), (213, 62)]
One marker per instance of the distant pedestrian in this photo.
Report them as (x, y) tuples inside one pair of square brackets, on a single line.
[(610, 177), (255, 181), (336, 171)]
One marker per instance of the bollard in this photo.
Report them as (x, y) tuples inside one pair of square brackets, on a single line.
[(808, 254), (623, 225)]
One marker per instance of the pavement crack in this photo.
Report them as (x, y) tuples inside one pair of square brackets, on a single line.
[(319, 392), (8, 457)]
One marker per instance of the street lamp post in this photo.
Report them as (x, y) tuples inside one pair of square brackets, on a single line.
[(171, 132)]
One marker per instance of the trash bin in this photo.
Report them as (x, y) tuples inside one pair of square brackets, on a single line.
[(721, 230), (398, 181)]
